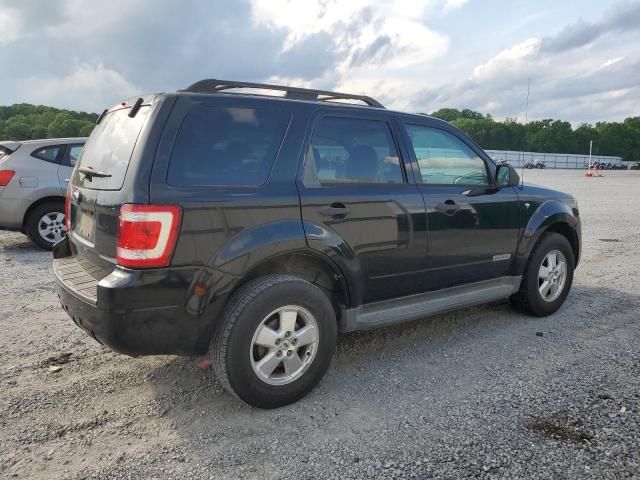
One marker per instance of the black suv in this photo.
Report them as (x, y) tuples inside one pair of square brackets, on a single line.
[(257, 227)]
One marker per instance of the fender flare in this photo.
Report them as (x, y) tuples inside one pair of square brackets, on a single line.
[(551, 212)]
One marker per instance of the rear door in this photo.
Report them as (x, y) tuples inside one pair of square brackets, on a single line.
[(472, 226), (69, 160), (116, 151), (358, 203), (44, 174)]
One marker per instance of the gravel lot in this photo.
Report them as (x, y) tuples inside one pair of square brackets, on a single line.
[(477, 393)]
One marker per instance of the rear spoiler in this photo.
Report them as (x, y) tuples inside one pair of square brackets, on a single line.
[(8, 148)]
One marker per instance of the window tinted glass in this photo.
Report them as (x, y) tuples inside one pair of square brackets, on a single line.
[(349, 150), (226, 146), (74, 154), (49, 154), (444, 159), (109, 148)]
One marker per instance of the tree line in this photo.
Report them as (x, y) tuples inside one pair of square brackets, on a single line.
[(24, 121), (620, 139)]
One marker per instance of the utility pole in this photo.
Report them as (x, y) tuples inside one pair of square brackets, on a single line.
[(526, 120)]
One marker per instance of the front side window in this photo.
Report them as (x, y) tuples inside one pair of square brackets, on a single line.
[(48, 154), (444, 159), (352, 150), (226, 146)]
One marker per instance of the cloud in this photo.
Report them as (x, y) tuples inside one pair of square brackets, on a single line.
[(578, 74), (70, 53), (621, 17), (453, 4), (362, 33), (81, 89), (10, 25)]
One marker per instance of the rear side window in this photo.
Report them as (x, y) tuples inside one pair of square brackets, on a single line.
[(109, 148), (48, 154), (226, 146)]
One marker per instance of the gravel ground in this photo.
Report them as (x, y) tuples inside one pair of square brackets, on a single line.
[(483, 393)]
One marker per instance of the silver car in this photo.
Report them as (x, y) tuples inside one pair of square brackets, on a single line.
[(33, 183)]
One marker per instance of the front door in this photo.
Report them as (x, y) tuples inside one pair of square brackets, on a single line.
[(358, 207), (472, 226)]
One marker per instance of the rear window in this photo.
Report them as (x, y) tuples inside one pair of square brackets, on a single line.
[(226, 146), (109, 148)]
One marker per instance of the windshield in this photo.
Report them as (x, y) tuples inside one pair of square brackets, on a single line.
[(109, 149)]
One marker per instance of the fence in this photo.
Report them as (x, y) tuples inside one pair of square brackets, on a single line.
[(551, 160)]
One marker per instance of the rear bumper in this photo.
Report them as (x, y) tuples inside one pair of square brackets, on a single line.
[(134, 312)]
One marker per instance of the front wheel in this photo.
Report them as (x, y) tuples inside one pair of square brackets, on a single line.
[(547, 278), (275, 340)]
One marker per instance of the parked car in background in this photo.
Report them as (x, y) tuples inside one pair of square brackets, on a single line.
[(635, 166), (33, 181)]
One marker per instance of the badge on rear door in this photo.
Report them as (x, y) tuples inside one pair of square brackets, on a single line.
[(502, 256)]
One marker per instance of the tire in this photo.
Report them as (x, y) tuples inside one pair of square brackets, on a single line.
[(55, 212), (529, 298), (259, 307)]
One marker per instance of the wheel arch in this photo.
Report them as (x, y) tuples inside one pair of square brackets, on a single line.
[(551, 216), (37, 203), (570, 233), (309, 265)]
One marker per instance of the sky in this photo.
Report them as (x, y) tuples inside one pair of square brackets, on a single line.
[(583, 57)]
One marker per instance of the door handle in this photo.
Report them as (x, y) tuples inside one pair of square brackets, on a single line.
[(449, 207), (335, 209)]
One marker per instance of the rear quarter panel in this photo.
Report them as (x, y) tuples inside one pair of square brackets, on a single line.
[(228, 230), (34, 179)]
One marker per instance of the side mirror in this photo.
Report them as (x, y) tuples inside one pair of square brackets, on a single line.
[(506, 176)]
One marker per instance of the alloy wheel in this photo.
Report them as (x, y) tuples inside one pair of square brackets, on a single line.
[(284, 345), (552, 275), (51, 227)]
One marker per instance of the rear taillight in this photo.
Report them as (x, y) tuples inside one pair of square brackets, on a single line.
[(147, 235), (5, 177), (67, 210)]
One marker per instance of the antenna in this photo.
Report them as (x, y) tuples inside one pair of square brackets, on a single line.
[(526, 120)]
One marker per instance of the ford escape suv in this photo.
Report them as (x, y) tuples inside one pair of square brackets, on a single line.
[(257, 227), (33, 180)]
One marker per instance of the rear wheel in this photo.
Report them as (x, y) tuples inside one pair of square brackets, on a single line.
[(45, 224), (547, 278), (275, 340)]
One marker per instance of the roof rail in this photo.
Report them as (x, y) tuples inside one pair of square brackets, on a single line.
[(212, 85)]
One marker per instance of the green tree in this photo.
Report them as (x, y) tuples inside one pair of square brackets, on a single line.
[(24, 121), (18, 127)]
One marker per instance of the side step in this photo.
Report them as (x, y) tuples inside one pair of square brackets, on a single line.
[(413, 307)]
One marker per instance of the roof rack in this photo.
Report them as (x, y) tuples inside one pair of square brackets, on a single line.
[(212, 85)]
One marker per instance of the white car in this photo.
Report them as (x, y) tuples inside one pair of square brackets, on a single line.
[(33, 183)]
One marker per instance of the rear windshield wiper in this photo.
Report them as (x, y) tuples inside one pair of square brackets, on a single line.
[(90, 172)]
